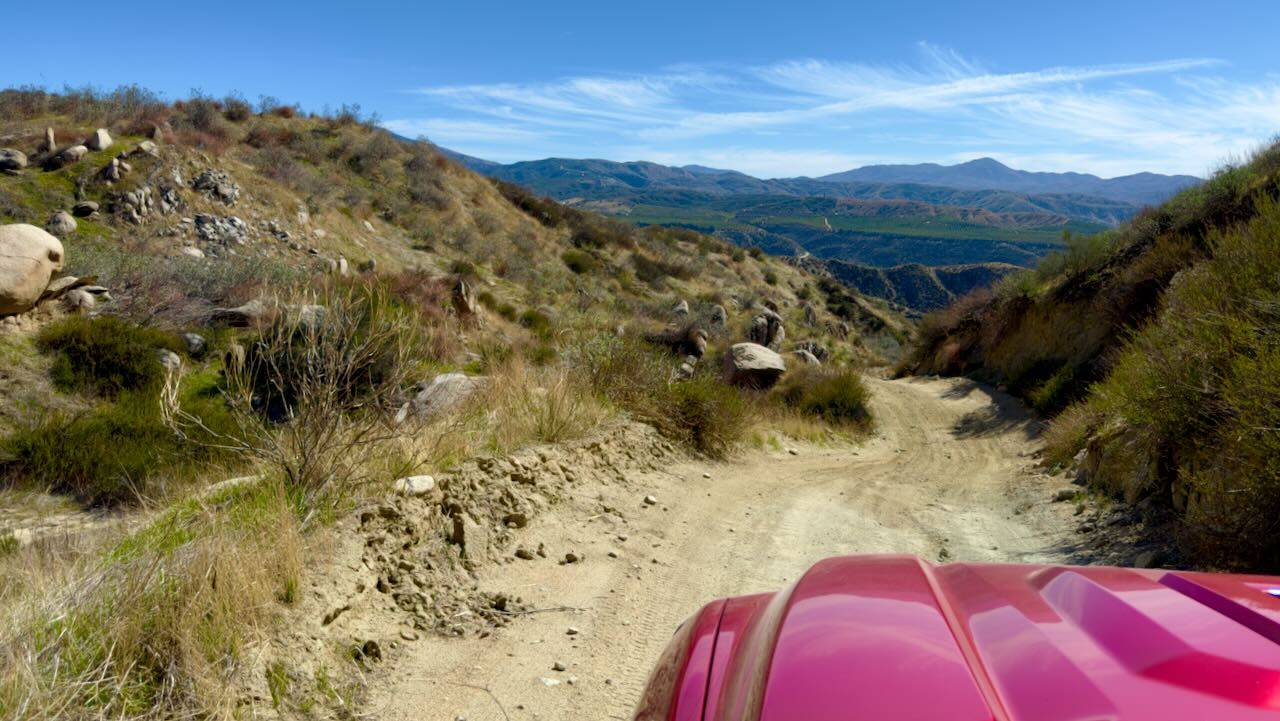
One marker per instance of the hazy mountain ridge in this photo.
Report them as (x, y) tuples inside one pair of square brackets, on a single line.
[(987, 173)]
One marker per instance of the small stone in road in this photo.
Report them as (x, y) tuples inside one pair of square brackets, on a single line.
[(613, 554), (706, 475), (409, 634), (793, 451), (572, 557), (622, 537), (572, 631), (524, 554), (650, 500), (1065, 494), (549, 681), (557, 666)]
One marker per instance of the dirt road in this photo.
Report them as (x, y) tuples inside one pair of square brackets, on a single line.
[(947, 476)]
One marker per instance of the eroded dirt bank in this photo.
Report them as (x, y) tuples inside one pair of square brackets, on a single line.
[(948, 475)]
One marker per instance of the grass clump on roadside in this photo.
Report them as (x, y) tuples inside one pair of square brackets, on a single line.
[(701, 412), (836, 395), (160, 620)]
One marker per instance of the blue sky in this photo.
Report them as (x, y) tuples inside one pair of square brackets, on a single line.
[(777, 89)]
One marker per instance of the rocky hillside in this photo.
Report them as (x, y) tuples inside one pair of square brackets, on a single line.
[(1158, 339), (919, 287), (227, 332)]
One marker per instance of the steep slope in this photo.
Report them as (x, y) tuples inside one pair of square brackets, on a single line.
[(919, 287), (986, 173), (1162, 333)]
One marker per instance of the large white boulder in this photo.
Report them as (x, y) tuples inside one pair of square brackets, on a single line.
[(753, 365), (29, 257), (100, 140)]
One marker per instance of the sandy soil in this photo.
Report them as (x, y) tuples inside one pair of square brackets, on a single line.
[(948, 475)]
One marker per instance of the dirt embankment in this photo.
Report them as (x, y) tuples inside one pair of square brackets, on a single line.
[(544, 585)]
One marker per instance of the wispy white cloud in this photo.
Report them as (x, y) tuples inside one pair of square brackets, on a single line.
[(811, 116)]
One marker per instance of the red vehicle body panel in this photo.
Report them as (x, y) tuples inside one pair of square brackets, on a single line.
[(880, 638)]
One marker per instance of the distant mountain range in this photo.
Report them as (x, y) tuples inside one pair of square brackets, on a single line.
[(989, 174), (893, 217)]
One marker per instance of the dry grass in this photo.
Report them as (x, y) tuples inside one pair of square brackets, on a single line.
[(155, 625)]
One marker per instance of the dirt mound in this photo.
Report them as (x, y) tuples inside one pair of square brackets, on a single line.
[(404, 566)]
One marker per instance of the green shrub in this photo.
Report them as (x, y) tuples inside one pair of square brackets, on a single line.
[(578, 261), (536, 321), (771, 277), (836, 395), (105, 355), (120, 451)]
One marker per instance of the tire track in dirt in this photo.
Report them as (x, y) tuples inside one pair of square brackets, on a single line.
[(947, 476)]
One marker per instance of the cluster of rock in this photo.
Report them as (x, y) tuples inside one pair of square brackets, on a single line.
[(216, 185), (754, 363)]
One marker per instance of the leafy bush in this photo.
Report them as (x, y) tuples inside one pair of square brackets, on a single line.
[(119, 451), (835, 395), (105, 355)]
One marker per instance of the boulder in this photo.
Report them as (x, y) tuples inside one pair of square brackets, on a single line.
[(719, 316), (100, 140), (814, 347), (145, 147), (444, 392), (79, 300), (681, 308), (29, 257), (687, 340), (58, 286), (414, 485), (753, 366), (767, 330), (111, 171), (251, 313), (84, 208), (68, 156), (61, 224), (168, 359), (464, 298), (11, 161), (195, 343), (192, 251), (806, 357)]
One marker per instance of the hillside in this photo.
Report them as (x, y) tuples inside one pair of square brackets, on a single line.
[(869, 223), (919, 287), (1154, 345), (988, 174), (228, 332)]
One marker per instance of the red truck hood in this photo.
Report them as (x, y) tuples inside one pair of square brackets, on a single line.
[(892, 638)]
